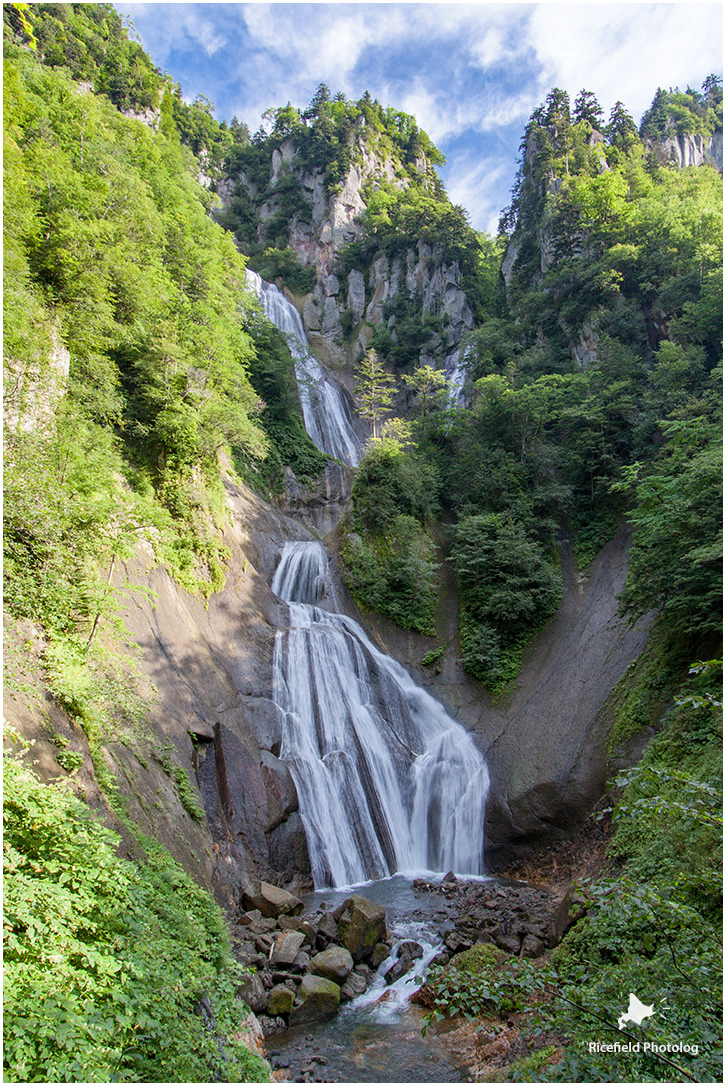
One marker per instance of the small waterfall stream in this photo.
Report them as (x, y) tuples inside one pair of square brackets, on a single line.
[(455, 369), (387, 781), (327, 408)]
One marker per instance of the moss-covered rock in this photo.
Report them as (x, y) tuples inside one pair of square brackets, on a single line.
[(317, 998)]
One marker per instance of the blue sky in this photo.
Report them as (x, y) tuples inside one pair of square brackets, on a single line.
[(470, 73)]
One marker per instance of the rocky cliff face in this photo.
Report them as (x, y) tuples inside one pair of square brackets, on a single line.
[(33, 389), (342, 311), (206, 673), (691, 150)]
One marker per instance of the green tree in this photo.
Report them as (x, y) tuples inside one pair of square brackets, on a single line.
[(428, 386), (587, 108), (676, 558), (374, 388)]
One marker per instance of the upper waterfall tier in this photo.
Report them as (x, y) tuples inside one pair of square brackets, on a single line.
[(386, 780), (327, 408)]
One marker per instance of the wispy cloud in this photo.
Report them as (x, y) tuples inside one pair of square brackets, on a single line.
[(481, 185), (470, 73), (625, 51)]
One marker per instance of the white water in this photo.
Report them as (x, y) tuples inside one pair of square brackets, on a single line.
[(326, 406), (386, 780), (456, 371)]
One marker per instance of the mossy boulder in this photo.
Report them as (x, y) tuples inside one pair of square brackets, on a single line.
[(335, 963), (317, 998), (280, 1001), (361, 926)]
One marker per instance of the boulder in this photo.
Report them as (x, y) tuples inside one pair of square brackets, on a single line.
[(354, 986), (252, 992), (398, 970), (569, 911), (286, 948), (270, 900), (302, 961), (532, 947), (410, 949), (361, 925), (280, 1000), (327, 928), (379, 954), (317, 998), (511, 943), (292, 923), (335, 963), (247, 954), (456, 942)]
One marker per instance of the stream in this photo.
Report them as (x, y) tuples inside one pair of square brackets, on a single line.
[(377, 1036), (389, 785)]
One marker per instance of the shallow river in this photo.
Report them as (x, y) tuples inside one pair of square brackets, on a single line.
[(377, 1036)]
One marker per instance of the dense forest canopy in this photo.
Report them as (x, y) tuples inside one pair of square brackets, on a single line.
[(138, 370)]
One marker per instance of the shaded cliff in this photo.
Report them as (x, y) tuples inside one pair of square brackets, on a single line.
[(545, 738)]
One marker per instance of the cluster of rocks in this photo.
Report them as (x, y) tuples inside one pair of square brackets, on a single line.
[(521, 919), (306, 967)]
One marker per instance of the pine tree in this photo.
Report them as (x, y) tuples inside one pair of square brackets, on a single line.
[(621, 130), (374, 388), (587, 108)]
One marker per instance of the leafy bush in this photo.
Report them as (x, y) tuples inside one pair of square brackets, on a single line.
[(390, 481), (390, 563), (657, 929), (395, 574), (480, 981), (286, 265), (111, 966), (433, 655)]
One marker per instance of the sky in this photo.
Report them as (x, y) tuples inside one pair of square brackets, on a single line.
[(471, 74)]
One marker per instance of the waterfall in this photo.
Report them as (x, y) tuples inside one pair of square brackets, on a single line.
[(326, 406), (386, 780), (456, 371)]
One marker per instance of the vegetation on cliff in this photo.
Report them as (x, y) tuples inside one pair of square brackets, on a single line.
[(134, 361), (114, 970), (128, 356), (596, 392)]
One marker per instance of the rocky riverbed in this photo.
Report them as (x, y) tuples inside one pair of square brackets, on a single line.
[(333, 976), (305, 967)]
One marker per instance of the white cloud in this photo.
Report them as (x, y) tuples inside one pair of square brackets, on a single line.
[(471, 74), (481, 185), (165, 30), (328, 41), (204, 32), (625, 51)]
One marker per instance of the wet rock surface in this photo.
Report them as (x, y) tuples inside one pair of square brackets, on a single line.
[(305, 966), (519, 918)]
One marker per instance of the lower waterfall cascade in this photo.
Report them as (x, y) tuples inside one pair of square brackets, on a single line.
[(387, 782), (326, 406)]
